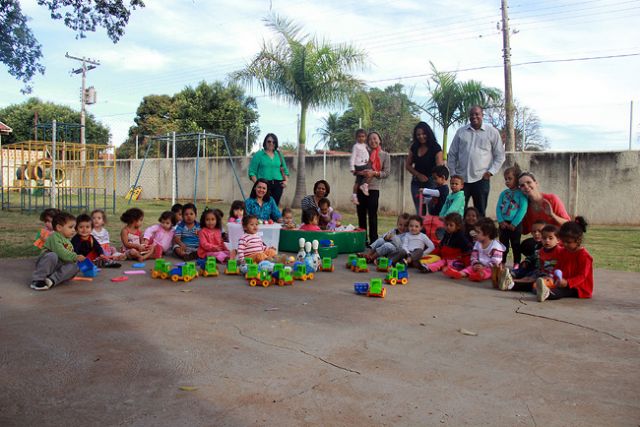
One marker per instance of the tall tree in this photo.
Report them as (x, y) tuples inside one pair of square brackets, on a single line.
[(451, 99), (219, 108), (528, 128), (393, 114), (19, 48), (21, 117), (305, 71)]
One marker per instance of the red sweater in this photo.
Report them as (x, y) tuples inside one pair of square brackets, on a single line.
[(210, 241), (532, 215), (577, 270)]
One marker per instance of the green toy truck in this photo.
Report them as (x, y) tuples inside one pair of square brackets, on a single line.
[(232, 267), (161, 269), (326, 264), (383, 264)]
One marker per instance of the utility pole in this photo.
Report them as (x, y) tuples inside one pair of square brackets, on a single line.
[(508, 93), (87, 65)]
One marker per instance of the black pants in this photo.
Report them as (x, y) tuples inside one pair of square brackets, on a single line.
[(555, 293), (479, 192), (511, 238), (276, 189), (368, 205)]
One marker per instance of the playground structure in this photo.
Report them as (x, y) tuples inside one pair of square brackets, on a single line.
[(65, 175), (202, 147)]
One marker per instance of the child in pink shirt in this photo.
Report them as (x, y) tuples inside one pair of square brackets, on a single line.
[(161, 234), (211, 242)]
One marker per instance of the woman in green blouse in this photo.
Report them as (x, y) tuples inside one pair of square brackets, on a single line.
[(269, 165)]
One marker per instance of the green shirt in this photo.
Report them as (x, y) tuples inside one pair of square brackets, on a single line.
[(61, 246), (263, 166)]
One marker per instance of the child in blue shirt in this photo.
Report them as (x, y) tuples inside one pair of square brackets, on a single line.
[(510, 211), (455, 199), (185, 239)]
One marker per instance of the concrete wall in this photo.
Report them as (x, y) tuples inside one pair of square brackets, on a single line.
[(602, 186)]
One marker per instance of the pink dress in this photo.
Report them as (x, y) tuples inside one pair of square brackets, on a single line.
[(211, 244)]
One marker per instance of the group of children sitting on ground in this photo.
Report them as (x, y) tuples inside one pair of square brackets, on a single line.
[(555, 265)]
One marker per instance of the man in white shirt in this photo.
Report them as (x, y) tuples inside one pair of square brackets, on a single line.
[(476, 153)]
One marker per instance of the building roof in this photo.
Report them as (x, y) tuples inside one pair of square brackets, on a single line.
[(4, 129)]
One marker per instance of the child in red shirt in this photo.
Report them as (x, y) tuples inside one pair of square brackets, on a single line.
[(548, 256), (575, 264), (310, 219)]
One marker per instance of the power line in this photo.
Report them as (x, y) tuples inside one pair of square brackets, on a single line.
[(485, 67)]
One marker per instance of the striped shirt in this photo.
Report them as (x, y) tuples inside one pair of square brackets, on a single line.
[(249, 244), (189, 236)]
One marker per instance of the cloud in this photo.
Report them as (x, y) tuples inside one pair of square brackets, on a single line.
[(134, 58)]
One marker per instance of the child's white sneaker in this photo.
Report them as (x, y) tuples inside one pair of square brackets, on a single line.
[(354, 199), (542, 291), (365, 189), (505, 282)]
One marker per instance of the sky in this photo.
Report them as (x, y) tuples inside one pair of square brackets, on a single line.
[(170, 44)]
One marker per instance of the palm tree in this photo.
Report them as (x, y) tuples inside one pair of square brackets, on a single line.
[(450, 100), (305, 71), (329, 130)]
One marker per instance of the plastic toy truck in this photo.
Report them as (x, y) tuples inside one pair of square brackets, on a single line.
[(383, 264), (208, 267), (326, 264), (161, 269), (264, 278), (284, 278), (252, 275), (376, 289), (300, 272), (361, 288), (87, 268), (185, 272), (232, 267), (350, 260), (361, 266), (397, 274)]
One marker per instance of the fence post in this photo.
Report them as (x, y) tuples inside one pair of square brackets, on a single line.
[(54, 193), (195, 178), (174, 180)]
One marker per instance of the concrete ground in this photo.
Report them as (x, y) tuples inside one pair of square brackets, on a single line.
[(314, 353)]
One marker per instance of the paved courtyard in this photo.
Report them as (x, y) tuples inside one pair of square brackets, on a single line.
[(218, 352)]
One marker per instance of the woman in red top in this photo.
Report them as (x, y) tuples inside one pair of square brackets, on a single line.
[(575, 263), (546, 207)]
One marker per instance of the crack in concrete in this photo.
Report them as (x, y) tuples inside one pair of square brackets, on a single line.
[(531, 415), (589, 328), (295, 349)]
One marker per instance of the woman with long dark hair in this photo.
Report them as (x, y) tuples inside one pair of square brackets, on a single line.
[(424, 154)]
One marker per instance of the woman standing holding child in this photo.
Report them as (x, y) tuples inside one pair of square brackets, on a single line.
[(368, 204)]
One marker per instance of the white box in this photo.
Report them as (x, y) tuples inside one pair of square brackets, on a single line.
[(270, 234)]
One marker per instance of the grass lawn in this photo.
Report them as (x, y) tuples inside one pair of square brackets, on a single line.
[(612, 247)]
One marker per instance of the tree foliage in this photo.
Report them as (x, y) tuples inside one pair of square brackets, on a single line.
[(216, 107), (19, 48), (304, 71), (451, 99), (393, 115), (526, 123), (21, 117)]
